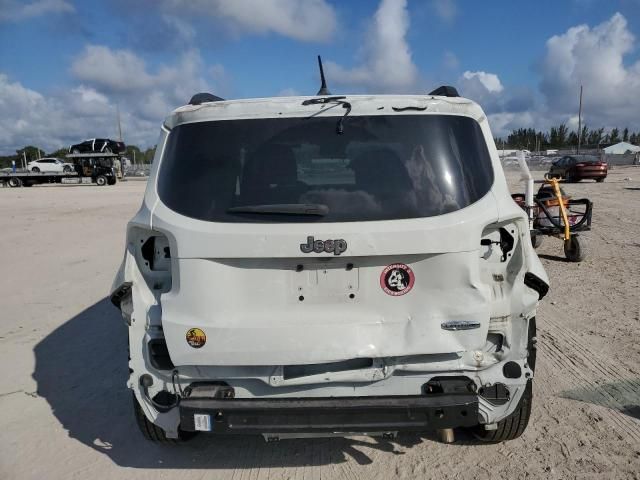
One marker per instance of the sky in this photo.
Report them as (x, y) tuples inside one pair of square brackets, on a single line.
[(67, 66)]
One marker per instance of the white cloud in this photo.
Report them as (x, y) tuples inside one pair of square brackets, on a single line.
[(310, 20), (503, 123), (124, 75), (489, 81), (10, 10), (387, 64), (112, 70), (445, 9), (50, 122), (88, 110), (593, 57), (182, 28)]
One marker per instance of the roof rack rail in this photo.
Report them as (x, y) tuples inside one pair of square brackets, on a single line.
[(445, 91), (204, 97)]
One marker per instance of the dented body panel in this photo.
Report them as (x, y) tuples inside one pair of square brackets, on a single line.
[(403, 302)]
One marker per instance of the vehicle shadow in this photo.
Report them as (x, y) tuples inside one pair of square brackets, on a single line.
[(554, 258), (81, 371), (623, 396)]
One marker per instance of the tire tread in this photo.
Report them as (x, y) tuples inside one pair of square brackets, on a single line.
[(150, 431)]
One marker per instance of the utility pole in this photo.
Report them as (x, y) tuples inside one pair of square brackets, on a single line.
[(580, 121), (119, 125)]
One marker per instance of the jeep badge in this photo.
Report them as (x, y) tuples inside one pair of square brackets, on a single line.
[(319, 246)]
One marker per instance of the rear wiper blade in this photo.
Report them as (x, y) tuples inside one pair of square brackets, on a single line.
[(314, 101), (340, 100), (283, 209)]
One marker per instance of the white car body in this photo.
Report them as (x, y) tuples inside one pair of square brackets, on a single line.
[(51, 165), (268, 308)]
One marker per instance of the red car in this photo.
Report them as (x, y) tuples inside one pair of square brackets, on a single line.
[(573, 168)]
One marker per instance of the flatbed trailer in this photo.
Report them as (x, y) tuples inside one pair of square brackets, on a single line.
[(89, 168)]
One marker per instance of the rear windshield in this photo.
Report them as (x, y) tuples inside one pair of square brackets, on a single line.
[(587, 159), (381, 168)]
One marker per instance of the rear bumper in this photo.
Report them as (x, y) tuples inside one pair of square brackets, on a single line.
[(334, 415), (590, 173)]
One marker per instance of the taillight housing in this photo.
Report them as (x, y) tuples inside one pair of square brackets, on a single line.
[(152, 254)]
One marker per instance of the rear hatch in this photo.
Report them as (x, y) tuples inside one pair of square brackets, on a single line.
[(293, 245)]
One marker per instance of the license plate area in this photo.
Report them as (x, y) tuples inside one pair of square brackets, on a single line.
[(320, 280)]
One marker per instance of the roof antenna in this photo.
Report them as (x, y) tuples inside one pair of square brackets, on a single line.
[(323, 85)]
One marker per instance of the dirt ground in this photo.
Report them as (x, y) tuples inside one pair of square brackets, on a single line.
[(65, 412)]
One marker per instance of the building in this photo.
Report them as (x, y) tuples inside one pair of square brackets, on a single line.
[(621, 148)]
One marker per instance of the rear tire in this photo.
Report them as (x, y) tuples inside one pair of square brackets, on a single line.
[(35, 170), (536, 240), (514, 425), (575, 249), (75, 151), (15, 182), (152, 432), (101, 180), (66, 169)]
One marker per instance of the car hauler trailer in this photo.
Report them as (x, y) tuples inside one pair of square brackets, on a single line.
[(88, 168)]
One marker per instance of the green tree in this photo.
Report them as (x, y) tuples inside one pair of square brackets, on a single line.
[(149, 153), (573, 139), (614, 136), (133, 153), (558, 136), (60, 153), (625, 135), (31, 152), (584, 134)]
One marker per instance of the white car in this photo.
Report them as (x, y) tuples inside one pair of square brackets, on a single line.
[(53, 165), (329, 265)]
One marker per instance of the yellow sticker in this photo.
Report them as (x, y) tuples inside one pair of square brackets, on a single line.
[(196, 338)]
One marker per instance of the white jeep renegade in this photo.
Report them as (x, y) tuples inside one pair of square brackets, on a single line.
[(329, 265)]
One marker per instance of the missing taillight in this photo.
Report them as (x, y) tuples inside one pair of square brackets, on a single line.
[(156, 253)]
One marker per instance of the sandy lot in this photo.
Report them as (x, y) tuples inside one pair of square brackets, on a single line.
[(65, 411)]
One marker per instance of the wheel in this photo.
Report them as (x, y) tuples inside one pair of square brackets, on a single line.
[(514, 425), (536, 240), (112, 181), (107, 150), (35, 170), (75, 150), (575, 249), (152, 432), (15, 182), (600, 179), (101, 180), (66, 169)]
